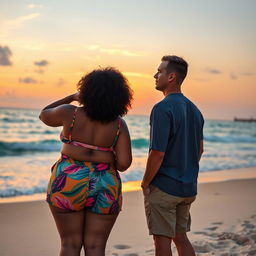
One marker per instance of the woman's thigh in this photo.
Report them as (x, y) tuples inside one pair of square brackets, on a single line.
[(97, 228), (69, 224)]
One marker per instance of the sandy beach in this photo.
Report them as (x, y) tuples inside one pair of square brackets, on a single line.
[(223, 223)]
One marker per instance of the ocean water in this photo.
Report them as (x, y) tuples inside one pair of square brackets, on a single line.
[(28, 148)]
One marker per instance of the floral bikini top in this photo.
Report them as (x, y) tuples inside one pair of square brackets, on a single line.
[(84, 145)]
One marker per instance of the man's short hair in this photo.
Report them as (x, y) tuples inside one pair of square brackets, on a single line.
[(177, 65)]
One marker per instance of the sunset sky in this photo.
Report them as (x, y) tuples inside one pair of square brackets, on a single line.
[(46, 46)]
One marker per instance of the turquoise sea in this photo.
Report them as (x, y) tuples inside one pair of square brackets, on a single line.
[(28, 148)]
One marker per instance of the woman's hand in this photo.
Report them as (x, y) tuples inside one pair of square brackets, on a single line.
[(66, 100), (75, 96)]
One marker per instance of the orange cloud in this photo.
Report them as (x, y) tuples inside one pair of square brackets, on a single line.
[(10, 25), (115, 51)]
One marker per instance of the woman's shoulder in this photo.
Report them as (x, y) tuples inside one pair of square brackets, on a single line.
[(57, 116), (122, 124), (64, 109), (67, 110), (68, 107)]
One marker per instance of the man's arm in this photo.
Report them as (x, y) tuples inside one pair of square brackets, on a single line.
[(201, 150), (160, 127), (154, 162)]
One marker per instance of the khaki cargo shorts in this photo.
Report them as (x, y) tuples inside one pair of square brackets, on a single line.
[(167, 214)]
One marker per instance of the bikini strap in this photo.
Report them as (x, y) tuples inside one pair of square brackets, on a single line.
[(117, 133), (72, 125)]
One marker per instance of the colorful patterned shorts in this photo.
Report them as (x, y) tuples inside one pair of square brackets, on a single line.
[(77, 185)]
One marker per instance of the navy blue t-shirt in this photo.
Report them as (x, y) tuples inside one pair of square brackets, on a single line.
[(176, 128)]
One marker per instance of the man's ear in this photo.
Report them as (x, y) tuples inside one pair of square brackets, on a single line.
[(172, 77)]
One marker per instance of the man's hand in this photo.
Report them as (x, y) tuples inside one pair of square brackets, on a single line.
[(154, 162), (145, 189)]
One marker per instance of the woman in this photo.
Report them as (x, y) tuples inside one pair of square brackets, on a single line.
[(84, 191)]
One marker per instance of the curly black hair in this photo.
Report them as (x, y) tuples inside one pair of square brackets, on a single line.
[(105, 94)]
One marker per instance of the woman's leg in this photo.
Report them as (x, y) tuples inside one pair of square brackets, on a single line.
[(96, 232), (70, 226)]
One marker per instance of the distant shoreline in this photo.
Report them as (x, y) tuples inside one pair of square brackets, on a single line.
[(38, 109), (146, 115), (246, 120)]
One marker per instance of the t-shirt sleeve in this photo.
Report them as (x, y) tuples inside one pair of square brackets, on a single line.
[(160, 128)]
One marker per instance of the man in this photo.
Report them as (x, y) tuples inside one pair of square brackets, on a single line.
[(176, 145)]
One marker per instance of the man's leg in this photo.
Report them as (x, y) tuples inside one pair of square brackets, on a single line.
[(161, 218), (183, 245), (183, 223), (162, 245)]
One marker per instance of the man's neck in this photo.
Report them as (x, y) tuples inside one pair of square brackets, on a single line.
[(171, 91)]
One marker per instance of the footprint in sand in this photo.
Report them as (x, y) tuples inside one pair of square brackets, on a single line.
[(223, 244), (252, 252), (248, 225), (217, 223), (203, 247), (211, 234), (122, 246), (200, 233), (150, 251), (253, 237), (239, 239), (211, 228)]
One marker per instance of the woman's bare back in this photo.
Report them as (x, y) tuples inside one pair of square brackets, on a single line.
[(90, 132)]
